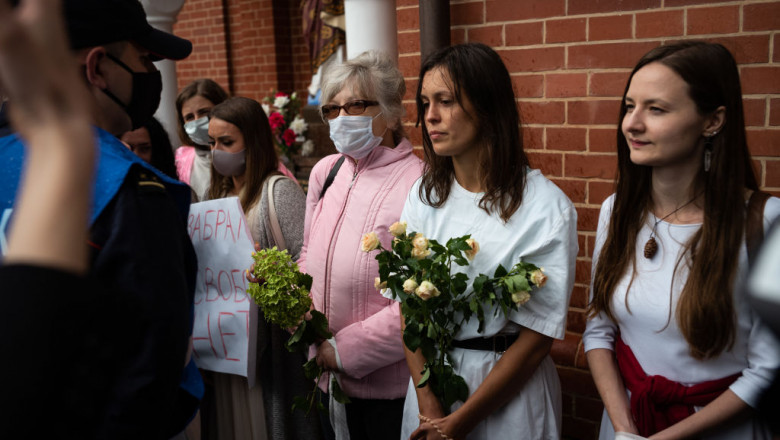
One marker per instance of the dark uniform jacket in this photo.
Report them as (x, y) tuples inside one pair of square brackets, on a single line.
[(143, 267)]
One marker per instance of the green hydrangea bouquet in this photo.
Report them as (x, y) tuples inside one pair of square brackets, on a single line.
[(283, 294)]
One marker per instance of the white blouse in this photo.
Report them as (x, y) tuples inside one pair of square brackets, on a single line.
[(647, 322)]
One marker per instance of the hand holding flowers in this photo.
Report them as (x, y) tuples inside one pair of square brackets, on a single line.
[(282, 291), (434, 300)]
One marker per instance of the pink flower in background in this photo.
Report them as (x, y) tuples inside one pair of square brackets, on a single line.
[(289, 137), (287, 124), (276, 120)]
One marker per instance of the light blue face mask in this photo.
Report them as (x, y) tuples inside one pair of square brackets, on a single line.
[(198, 130), (354, 135)]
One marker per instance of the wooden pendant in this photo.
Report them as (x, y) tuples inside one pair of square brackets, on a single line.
[(651, 247)]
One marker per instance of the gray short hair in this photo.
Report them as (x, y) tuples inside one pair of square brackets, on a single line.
[(373, 75)]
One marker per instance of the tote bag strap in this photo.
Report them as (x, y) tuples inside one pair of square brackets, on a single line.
[(276, 228)]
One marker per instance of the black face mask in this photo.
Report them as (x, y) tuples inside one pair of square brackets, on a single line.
[(145, 98)]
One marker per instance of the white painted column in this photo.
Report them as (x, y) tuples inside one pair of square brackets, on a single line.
[(371, 25), (162, 14)]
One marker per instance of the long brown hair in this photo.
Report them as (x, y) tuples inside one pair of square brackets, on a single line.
[(712, 254), (261, 160), (478, 73)]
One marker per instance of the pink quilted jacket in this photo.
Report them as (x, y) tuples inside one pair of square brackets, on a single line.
[(365, 197)]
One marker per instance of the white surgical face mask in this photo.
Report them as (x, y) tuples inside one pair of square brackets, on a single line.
[(198, 130), (229, 164), (354, 135)]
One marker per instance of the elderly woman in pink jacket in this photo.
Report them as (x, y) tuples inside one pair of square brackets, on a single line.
[(362, 189)]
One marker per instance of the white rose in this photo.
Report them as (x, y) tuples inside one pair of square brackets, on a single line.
[(369, 242), (379, 285), (521, 297), (266, 109), (419, 254), (419, 241), (410, 285), (427, 290), (398, 229), (298, 125), (281, 101), (538, 278), (470, 254), (307, 148)]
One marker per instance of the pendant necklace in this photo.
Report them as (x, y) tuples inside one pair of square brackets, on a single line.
[(651, 247)]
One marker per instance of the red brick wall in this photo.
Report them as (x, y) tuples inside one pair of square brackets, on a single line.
[(569, 61), (248, 46), (203, 23)]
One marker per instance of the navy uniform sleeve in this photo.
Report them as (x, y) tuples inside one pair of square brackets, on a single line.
[(143, 255)]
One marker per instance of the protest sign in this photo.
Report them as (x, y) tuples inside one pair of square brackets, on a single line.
[(225, 328)]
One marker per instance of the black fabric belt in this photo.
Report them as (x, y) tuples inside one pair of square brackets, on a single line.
[(498, 343)]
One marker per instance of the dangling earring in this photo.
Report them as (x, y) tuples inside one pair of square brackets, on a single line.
[(708, 151)]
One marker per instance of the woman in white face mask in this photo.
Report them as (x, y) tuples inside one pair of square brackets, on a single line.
[(244, 160), (193, 158), (366, 185)]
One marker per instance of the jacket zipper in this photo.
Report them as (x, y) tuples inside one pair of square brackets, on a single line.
[(329, 256)]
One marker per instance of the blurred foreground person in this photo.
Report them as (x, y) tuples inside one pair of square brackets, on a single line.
[(136, 253)]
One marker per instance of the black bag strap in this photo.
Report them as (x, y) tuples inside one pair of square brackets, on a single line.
[(331, 176)]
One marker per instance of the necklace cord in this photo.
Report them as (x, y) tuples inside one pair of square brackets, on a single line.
[(651, 247)]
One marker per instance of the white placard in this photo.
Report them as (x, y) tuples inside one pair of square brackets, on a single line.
[(225, 325)]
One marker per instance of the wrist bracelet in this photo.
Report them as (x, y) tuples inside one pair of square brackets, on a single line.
[(428, 420)]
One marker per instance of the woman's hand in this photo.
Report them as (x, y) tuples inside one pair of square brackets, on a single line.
[(326, 356), (437, 428), (609, 382), (725, 409), (250, 272)]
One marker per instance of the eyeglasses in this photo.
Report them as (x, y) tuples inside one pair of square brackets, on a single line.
[(331, 111)]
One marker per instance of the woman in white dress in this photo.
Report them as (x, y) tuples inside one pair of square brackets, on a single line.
[(478, 181), (674, 348)]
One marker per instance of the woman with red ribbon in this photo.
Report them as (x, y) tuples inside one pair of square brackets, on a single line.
[(674, 348)]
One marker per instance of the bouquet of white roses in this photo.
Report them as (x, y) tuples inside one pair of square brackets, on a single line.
[(283, 294), (434, 303)]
